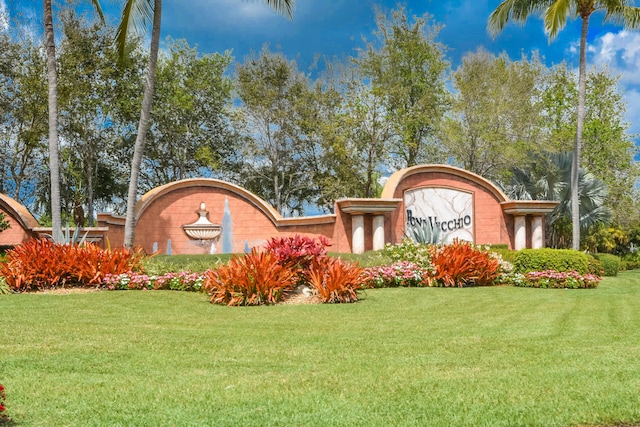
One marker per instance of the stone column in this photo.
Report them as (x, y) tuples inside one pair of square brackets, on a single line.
[(378, 232), (520, 232), (357, 230), (537, 235)]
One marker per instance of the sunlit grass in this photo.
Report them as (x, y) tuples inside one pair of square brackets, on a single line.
[(490, 356)]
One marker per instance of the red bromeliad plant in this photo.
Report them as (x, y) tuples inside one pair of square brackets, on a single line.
[(464, 264), (298, 251), (42, 264), (335, 280), (253, 279)]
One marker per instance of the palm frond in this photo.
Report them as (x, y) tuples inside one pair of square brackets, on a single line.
[(515, 10), (626, 16), (284, 7), (96, 5), (135, 16), (555, 17)]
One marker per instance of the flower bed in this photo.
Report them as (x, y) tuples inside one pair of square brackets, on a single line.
[(555, 279)]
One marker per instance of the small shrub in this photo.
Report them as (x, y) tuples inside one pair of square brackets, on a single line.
[(595, 266), (410, 251), (610, 264), (253, 279), (527, 260), (464, 264), (630, 261), (335, 280), (401, 273), (555, 279), (41, 264)]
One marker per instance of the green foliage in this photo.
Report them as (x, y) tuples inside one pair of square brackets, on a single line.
[(610, 263), (630, 261), (273, 94), (494, 107), (561, 260), (425, 234), (160, 264), (408, 250), (603, 239), (66, 237), (504, 252), (408, 72), (191, 128), (595, 266)]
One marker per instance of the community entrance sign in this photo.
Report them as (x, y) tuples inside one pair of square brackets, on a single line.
[(447, 211)]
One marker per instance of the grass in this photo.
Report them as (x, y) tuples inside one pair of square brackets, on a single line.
[(491, 356)]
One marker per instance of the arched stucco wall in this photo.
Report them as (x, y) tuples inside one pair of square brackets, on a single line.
[(161, 213), (491, 225), (20, 221)]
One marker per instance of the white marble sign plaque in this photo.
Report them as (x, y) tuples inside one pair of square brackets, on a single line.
[(449, 210)]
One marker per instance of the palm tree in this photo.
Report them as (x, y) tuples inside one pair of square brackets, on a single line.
[(52, 77), (555, 14), (554, 184), (135, 15)]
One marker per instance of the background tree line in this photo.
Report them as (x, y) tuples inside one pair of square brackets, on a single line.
[(299, 139)]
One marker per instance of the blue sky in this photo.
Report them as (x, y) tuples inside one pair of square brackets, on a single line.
[(336, 28)]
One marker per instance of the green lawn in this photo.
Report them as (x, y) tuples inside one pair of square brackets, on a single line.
[(497, 356)]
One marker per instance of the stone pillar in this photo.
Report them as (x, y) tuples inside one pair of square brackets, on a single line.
[(520, 232), (537, 235), (378, 232), (357, 230)]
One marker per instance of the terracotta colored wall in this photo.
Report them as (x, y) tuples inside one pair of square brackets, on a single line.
[(342, 232), (13, 235), (163, 219), (490, 225)]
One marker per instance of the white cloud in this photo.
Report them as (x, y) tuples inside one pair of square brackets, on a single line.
[(620, 51), (4, 16), (633, 110)]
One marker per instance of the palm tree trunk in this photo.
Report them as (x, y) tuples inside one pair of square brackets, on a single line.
[(575, 165), (54, 162), (143, 125)]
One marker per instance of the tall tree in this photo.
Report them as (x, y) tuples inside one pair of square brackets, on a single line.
[(23, 115), (608, 149), (271, 90), (555, 14), (135, 15), (408, 72), (492, 127), (52, 77), (190, 131)]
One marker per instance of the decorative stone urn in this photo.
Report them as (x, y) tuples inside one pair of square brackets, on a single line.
[(202, 229)]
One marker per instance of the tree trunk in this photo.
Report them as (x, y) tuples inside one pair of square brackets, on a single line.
[(575, 165), (54, 162), (143, 125)]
